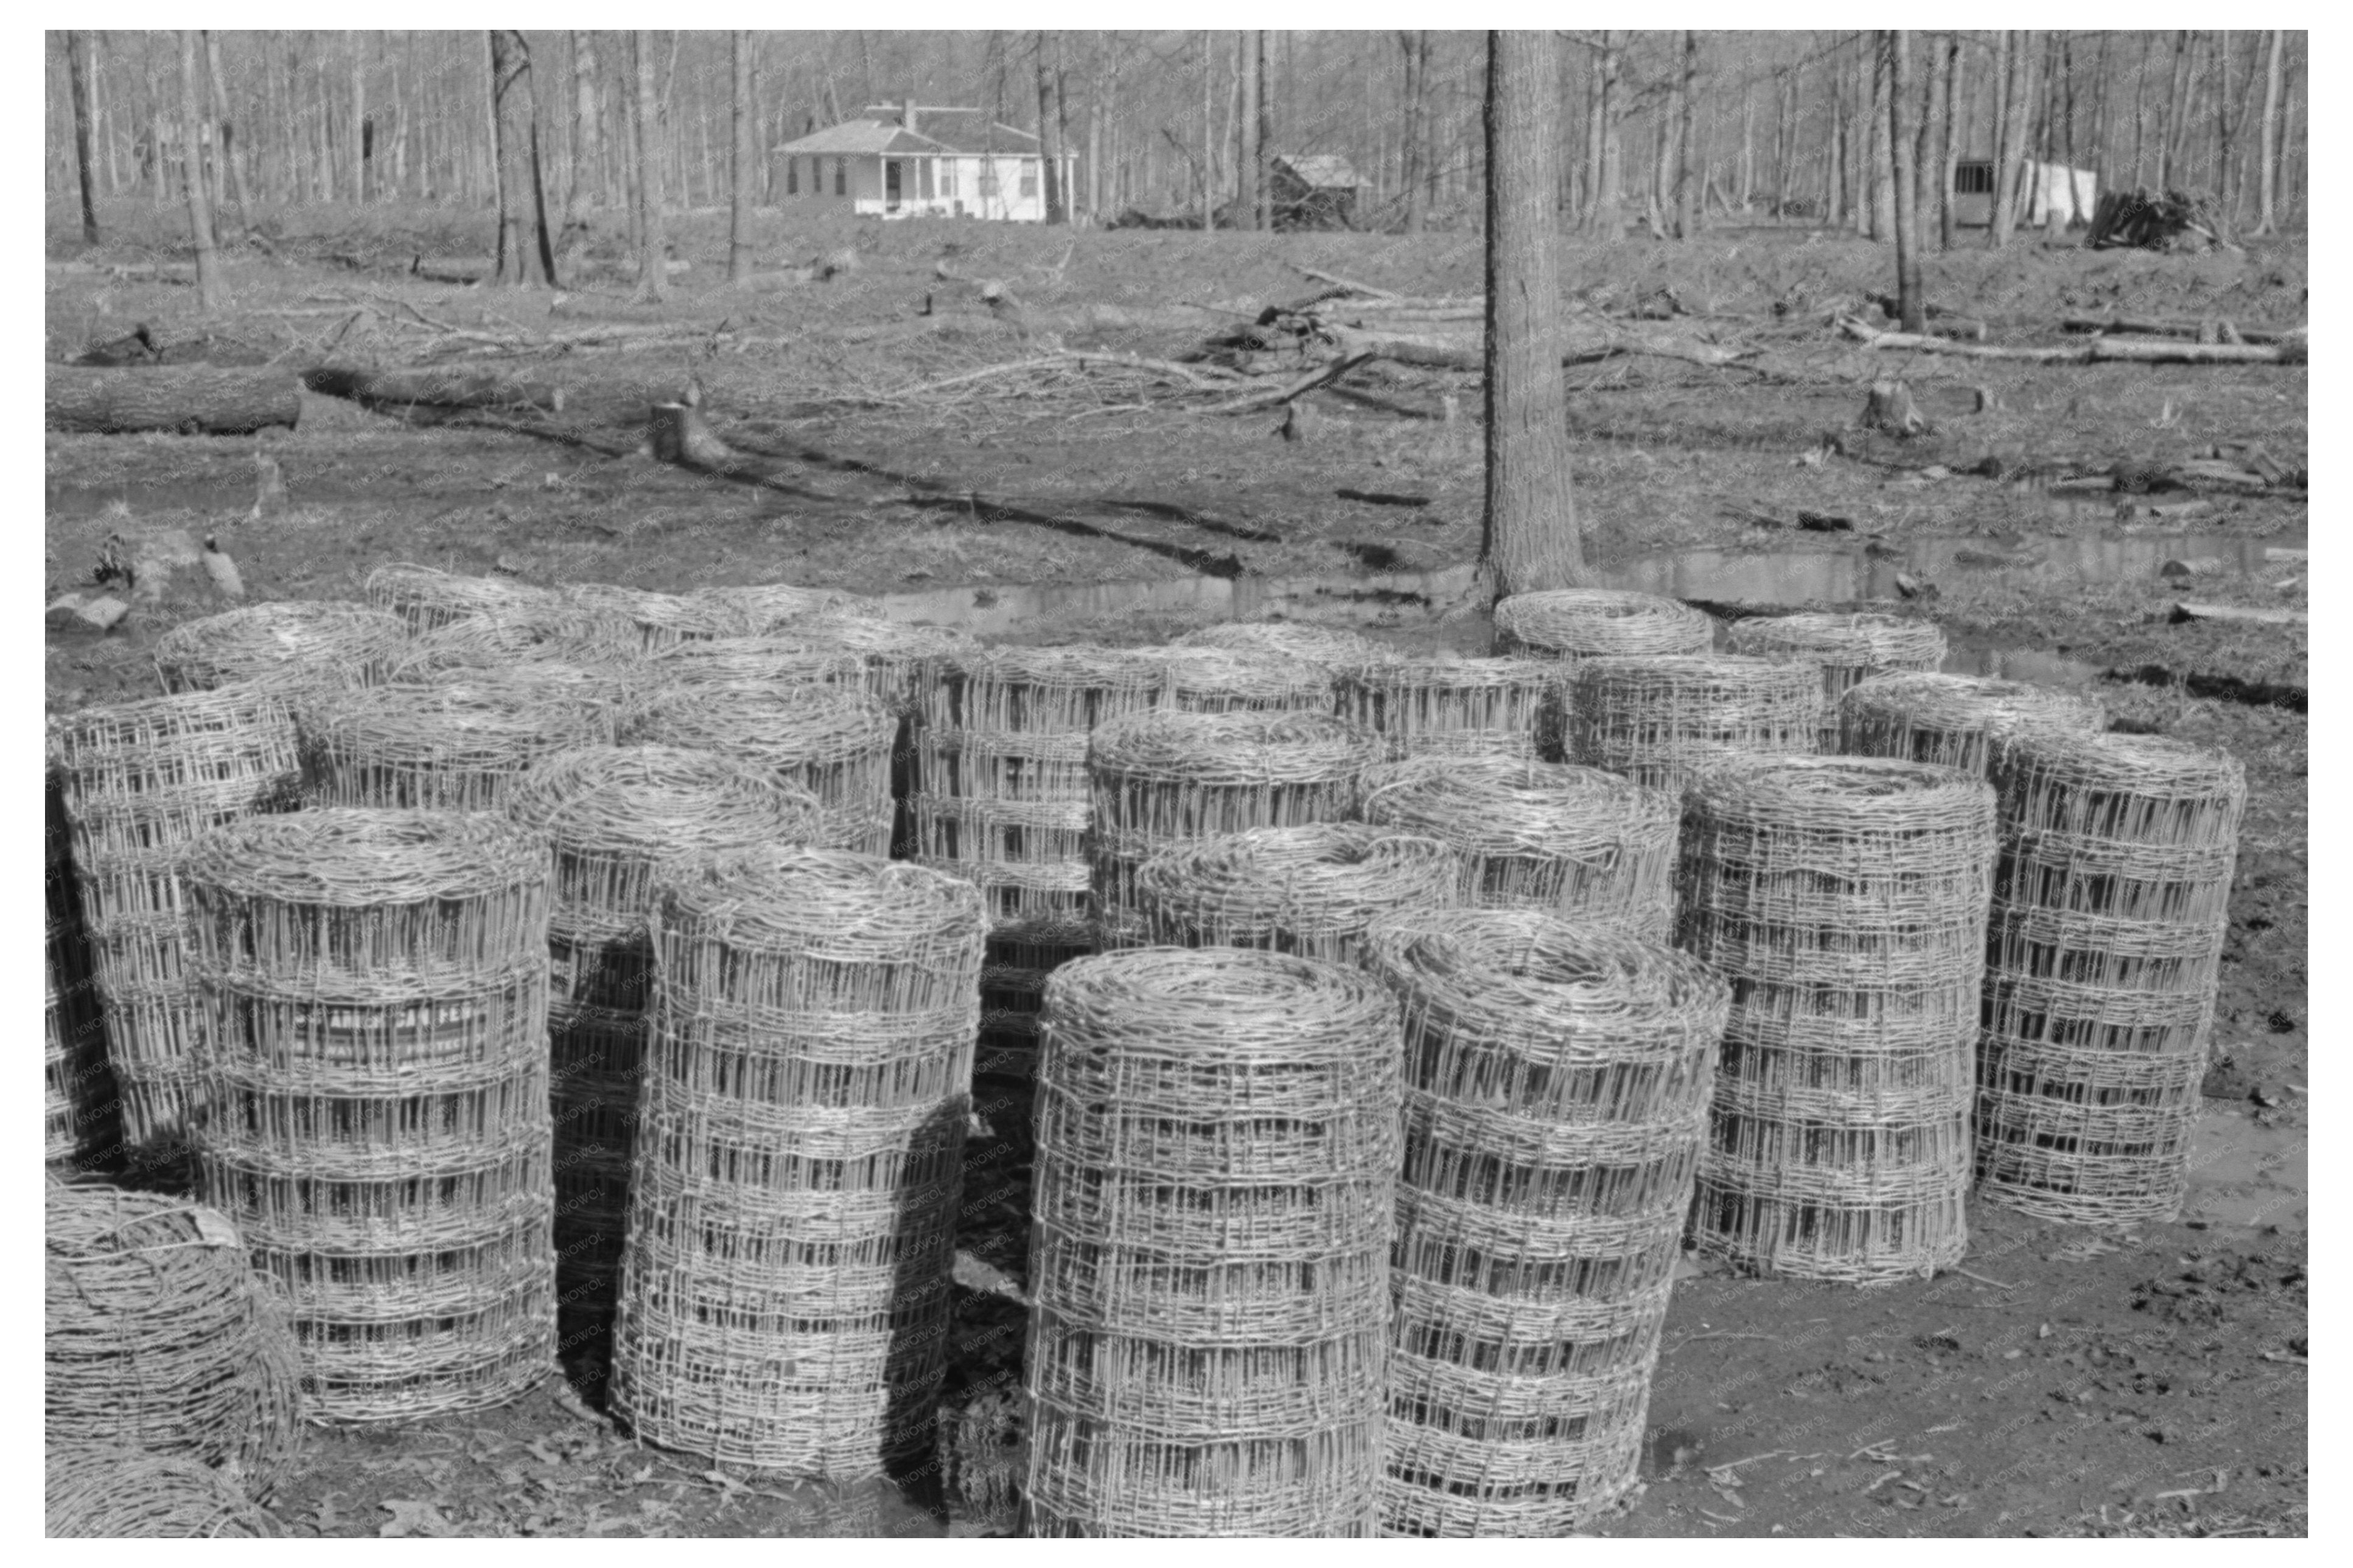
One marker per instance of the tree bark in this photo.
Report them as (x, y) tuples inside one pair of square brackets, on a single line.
[(1248, 163), (231, 179), (1530, 537), (210, 294), (1208, 130), (521, 216), (359, 137), (743, 160), (2267, 157), (395, 390), (1262, 138), (1417, 132), (2020, 102), (1902, 147), (652, 269), (1949, 164), (199, 399), (78, 68), (1688, 182), (588, 158), (1050, 139)]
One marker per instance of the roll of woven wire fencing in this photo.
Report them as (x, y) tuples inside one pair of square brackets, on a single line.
[(426, 597), (1578, 623), (1229, 681), (297, 645), (1209, 1264), (1658, 720), (832, 742), (1446, 705), (138, 781), (784, 1291), (1164, 777), (1845, 900), (1286, 639), (553, 633), (377, 1084), (1847, 650), (755, 663), (1557, 1091), (617, 818), (2109, 919), (160, 1339), (1310, 890), (1001, 795), (783, 608), (665, 620), (1587, 845), (81, 1111), (123, 1493), (456, 743), (1959, 721)]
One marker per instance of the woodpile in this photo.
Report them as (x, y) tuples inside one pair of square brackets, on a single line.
[(2166, 220)]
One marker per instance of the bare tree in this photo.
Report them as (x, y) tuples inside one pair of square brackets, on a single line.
[(1248, 162), (234, 181), (1415, 45), (1049, 138), (210, 294), (1601, 142), (2267, 157), (588, 157), (1902, 151), (743, 161), (1688, 195), (78, 70), (1530, 538), (653, 284), (2019, 101), (1948, 165), (523, 208)]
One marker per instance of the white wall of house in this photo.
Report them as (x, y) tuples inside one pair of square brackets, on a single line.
[(957, 185)]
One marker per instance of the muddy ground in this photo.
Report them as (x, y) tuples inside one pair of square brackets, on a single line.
[(2072, 1382)]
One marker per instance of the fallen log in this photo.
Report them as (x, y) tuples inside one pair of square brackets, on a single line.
[(2166, 350), (432, 388), (1457, 353), (1922, 343), (2146, 326), (193, 401), (2187, 611)]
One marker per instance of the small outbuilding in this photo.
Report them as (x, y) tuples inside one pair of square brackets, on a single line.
[(1315, 190), (2046, 193), (905, 161)]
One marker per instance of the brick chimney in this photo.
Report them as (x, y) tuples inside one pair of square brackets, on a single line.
[(907, 115)]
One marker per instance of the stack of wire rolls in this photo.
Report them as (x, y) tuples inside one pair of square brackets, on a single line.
[(298, 646), (2109, 919), (1328, 646), (1959, 721), (665, 620), (1228, 680), (1312, 891), (426, 597), (1578, 623), (376, 1085), (833, 742), (458, 741), (1215, 1173), (615, 818), (137, 781), (1165, 776), (1847, 649), (784, 1289), (550, 631), (1448, 705), (1590, 846), (1556, 1090), (1845, 900)]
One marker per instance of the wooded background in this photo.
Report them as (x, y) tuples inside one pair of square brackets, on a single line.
[(1677, 131)]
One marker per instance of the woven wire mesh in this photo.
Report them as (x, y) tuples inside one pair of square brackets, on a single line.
[(833, 742), (1020, 955), (1286, 639), (81, 1113), (376, 1087), (1000, 795), (1212, 1201), (1956, 720), (1233, 680), (1578, 624), (665, 620), (300, 645), (1847, 649), (1657, 719), (1845, 898), (769, 660), (1309, 890), (2109, 919), (1558, 1082), (555, 632), (137, 781), (784, 608), (1446, 705), (1163, 777), (159, 1338), (456, 743), (618, 818), (1583, 843), (426, 597), (785, 1290), (123, 1493)]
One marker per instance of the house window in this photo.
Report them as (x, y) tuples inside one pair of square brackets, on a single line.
[(841, 176), (945, 174), (1973, 180), (1028, 182), (987, 182), (792, 176)]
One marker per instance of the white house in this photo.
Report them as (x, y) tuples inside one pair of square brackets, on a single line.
[(2045, 191), (900, 161)]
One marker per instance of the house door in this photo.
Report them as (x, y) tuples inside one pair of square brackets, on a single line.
[(890, 179)]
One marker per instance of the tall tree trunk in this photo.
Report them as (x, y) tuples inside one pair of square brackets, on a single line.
[(1747, 143), (102, 112), (1247, 159), (231, 179), (1689, 195), (1903, 147), (1262, 135), (2019, 97), (1597, 113), (1208, 130), (1049, 139), (2266, 217), (743, 160), (1883, 161), (1948, 165), (1530, 538), (520, 220), (359, 139), (653, 280), (2175, 141), (1416, 129), (210, 294), (78, 70)]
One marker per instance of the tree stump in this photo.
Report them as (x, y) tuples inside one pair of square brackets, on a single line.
[(1890, 409)]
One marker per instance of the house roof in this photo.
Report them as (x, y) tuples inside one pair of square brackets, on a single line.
[(1320, 170), (943, 131), (854, 137)]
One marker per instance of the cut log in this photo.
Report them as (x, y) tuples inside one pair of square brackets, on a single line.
[(680, 435), (2187, 611), (1466, 354), (202, 401), (1889, 409), (2168, 350), (432, 388), (1921, 343), (2147, 326)]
